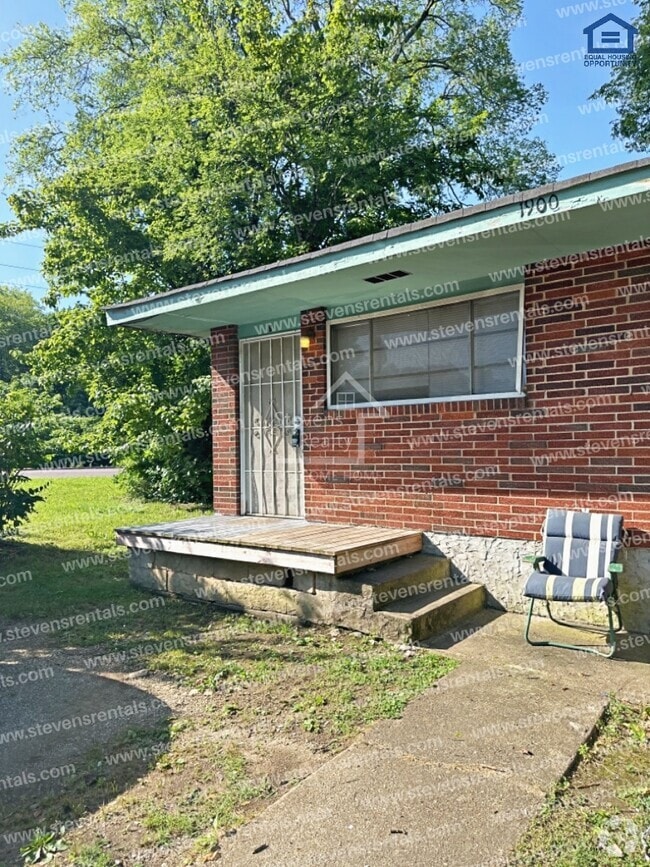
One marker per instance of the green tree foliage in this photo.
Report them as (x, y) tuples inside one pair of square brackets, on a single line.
[(22, 324), (629, 89), (65, 429), (21, 446), (186, 139)]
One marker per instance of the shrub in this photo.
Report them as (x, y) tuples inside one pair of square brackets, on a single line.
[(21, 446)]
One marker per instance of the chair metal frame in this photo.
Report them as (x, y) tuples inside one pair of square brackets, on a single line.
[(613, 607)]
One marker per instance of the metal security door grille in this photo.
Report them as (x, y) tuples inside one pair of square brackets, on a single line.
[(271, 408)]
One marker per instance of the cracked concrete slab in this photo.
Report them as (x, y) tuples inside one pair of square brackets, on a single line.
[(459, 777)]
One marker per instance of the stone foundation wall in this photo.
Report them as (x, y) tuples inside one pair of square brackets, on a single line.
[(498, 564), (315, 597), (260, 590)]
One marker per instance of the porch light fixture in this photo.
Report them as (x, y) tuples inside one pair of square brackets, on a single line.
[(305, 341)]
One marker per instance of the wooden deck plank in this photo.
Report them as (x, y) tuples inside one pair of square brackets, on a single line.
[(218, 528), (370, 534), (262, 556), (325, 543), (293, 543), (331, 535), (369, 537), (303, 535), (363, 558), (356, 543), (285, 540)]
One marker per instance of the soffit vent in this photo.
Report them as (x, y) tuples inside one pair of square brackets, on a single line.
[(389, 275)]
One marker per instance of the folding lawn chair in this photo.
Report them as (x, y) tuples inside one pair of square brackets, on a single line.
[(578, 565)]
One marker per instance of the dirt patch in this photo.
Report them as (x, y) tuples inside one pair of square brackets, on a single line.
[(239, 715)]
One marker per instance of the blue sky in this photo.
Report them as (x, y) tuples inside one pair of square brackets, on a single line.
[(548, 45)]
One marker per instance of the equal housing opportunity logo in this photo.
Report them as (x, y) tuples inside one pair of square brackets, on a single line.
[(610, 42)]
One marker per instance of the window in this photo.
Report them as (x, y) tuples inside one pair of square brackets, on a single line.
[(445, 351)]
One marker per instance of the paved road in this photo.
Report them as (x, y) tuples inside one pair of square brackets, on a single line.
[(68, 474)]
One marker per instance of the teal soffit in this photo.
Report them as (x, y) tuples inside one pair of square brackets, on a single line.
[(470, 250)]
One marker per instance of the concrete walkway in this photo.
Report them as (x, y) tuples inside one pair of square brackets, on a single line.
[(458, 779)]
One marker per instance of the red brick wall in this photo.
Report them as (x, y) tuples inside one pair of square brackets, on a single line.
[(365, 468), (225, 419)]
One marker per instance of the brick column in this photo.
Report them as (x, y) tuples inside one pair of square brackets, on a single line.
[(314, 369), (313, 324), (225, 419)]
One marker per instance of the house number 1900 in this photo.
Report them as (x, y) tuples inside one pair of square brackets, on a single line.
[(540, 205)]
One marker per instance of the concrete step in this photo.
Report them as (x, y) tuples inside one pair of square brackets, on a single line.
[(408, 578), (422, 616)]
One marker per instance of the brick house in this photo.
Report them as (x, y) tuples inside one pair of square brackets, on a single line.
[(456, 376)]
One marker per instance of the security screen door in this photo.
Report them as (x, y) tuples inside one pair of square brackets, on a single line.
[(271, 426)]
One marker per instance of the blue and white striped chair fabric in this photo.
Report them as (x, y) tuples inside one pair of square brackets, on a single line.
[(578, 549)]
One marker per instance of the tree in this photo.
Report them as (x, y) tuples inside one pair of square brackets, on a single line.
[(629, 89), (20, 447), (207, 137), (69, 418), (22, 324)]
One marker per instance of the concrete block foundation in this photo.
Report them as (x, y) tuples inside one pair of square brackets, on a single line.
[(498, 565)]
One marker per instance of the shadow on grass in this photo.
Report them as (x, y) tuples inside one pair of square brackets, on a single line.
[(72, 742), (79, 599), (85, 595), (41, 579)]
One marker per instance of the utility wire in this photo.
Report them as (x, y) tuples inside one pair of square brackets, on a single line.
[(22, 267), (20, 243)]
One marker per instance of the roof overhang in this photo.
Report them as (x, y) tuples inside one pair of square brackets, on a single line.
[(473, 249)]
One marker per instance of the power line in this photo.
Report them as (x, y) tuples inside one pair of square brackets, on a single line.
[(21, 267), (21, 243)]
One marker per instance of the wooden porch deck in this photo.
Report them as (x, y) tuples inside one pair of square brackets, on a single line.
[(333, 549)]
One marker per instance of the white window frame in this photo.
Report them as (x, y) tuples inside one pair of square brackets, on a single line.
[(468, 296)]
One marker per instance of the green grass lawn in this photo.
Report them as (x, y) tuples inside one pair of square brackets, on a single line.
[(249, 690), (600, 815), (76, 521)]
